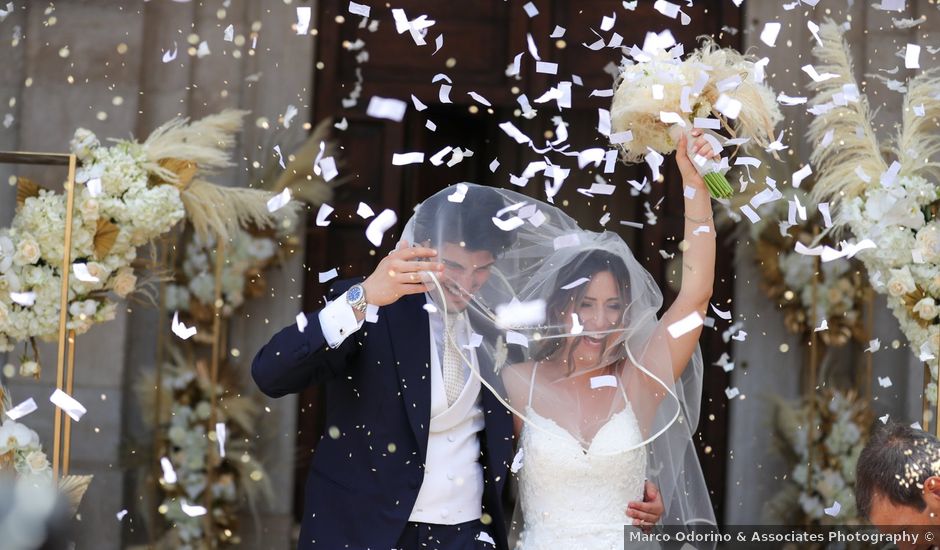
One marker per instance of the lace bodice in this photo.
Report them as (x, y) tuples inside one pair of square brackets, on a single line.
[(576, 498)]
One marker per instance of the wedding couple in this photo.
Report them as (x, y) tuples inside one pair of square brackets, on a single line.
[(506, 340)]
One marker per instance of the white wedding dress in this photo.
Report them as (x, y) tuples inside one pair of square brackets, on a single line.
[(576, 498)]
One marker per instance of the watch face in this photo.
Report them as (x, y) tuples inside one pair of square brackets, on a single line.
[(355, 293)]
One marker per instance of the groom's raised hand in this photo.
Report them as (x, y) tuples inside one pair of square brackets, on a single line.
[(647, 513), (399, 274)]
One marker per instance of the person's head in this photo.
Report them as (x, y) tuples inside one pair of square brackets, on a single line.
[(467, 241), (600, 305), (898, 478)]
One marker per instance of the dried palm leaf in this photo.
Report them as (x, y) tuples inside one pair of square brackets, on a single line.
[(854, 145), (918, 142), (205, 142), (304, 184), (25, 189), (219, 211), (74, 487), (105, 237)]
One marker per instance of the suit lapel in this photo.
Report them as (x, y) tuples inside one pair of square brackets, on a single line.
[(411, 347)]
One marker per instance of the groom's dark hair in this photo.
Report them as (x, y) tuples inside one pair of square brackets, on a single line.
[(440, 220), (895, 464)]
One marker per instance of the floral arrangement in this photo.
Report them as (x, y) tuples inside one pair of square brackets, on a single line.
[(236, 476), (821, 484), (22, 457), (787, 279), (657, 95), (127, 195), (891, 209)]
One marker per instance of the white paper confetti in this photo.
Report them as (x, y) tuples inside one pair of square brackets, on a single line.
[(801, 175), (513, 337), (834, 509), (731, 393), (517, 461), (459, 193), (518, 314), (402, 159), (180, 329), (884, 419), (530, 9), (120, 515), (279, 201), (884, 381), (303, 19), (68, 404), (324, 211), (25, 299), (387, 108), (576, 326), (301, 320), (364, 211), (563, 241), (728, 106), (229, 33), (604, 381), (81, 273), (912, 56), (220, 434), (21, 410), (687, 324), (377, 227), (576, 283), (359, 9), (325, 276), (170, 55), (192, 510), (169, 474), (769, 34)]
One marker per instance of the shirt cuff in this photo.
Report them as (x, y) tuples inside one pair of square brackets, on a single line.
[(338, 321)]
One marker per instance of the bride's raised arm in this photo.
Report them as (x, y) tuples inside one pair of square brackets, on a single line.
[(698, 261)]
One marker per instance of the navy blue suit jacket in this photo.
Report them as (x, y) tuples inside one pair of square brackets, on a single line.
[(368, 468)]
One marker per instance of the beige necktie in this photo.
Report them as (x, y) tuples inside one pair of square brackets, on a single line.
[(453, 368)]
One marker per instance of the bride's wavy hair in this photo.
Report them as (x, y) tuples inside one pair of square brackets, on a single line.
[(586, 264)]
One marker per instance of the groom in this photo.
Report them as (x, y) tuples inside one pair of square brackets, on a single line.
[(405, 462), (416, 455)]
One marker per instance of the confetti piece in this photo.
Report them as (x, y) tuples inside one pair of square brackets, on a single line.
[(607, 22), (513, 337), (483, 536), (750, 213), (509, 224), (328, 168), (824, 210), (726, 315), (801, 174), (387, 108), (382, 223), (324, 211), (823, 326), (811, 71), (514, 133), (517, 461), (701, 229), (563, 241), (359, 9), (68, 404), (890, 5), (169, 475), (279, 201), (372, 313), (530, 9), (302, 322), (480, 98), (790, 101), (621, 137), (731, 393), (21, 410), (728, 106), (459, 194), (364, 211), (120, 515), (558, 32), (576, 283), (402, 159), (475, 341), (884, 419), (229, 34), (666, 8), (25, 299), (576, 326), (443, 94), (180, 329), (834, 509), (685, 325), (520, 314), (170, 55), (814, 30), (419, 106), (604, 381), (912, 56), (325, 276), (192, 510), (81, 273), (546, 67), (769, 34), (303, 19), (289, 115), (884, 381), (94, 186), (203, 49), (873, 345), (220, 433)]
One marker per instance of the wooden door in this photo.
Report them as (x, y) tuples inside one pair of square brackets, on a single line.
[(481, 38)]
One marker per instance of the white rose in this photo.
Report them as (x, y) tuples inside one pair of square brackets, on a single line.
[(29, 368), (27, 251), (6, 253), (928, 242), (926, 309), (37, 462), (83, 143), (901, 282), (124, 282)]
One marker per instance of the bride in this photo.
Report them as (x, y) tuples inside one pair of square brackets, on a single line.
[(606, 393), (563, 327)]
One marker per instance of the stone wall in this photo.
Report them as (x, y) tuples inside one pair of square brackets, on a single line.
[(98, 64)]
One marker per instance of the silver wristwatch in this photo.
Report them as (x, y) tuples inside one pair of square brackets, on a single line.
[(356, 298)]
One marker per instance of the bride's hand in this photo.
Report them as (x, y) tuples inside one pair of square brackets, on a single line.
[(646, 514), (690, 175)]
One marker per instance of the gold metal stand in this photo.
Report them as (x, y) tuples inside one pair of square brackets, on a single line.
[(213, 458), (65, 371)]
